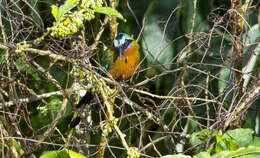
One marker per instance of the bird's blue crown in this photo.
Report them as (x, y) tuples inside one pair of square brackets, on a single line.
[(120, 39)]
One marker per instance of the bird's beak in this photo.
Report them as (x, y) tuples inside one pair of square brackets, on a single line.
[(121, 51)]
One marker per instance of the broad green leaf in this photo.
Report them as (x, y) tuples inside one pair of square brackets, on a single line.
[(160, 50), (157, 49), (241, 152), (201, 136), (233, 139), (58, 12), (176, 156), (255, 142), (64, 153), (225, 143), (74, 154), (55, 12), (55, 154), (242, 136), (202, 155), (221, 154), (109, 11), (67, 6)]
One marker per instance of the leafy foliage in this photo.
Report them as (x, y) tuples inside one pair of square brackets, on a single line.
[(194, 94)]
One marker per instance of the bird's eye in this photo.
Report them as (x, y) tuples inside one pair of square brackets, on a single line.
[(126, 44)]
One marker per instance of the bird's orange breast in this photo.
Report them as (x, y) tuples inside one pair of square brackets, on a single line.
[(125, 67)]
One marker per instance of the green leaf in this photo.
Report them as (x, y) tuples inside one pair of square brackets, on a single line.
[(233, 139), (109, 11), (64, 153), (241, 152), (255, 142), (158, 50), (242, 136), (55, 103), (225, 143), (176, 156), (201, 136), (55, 12), (17, 146), (2, 58), (58, 12), (55, 154), (74, 154), (202, 155)]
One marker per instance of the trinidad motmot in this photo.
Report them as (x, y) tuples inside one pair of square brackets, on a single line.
[(124, 58), (120, 63)]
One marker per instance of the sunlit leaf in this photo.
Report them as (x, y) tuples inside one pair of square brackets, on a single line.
[(74, 154), (58, 12), (55, 154), (55, 12), (225, 143), (176, 156), (17, 146), (109, 11), (64, 153)]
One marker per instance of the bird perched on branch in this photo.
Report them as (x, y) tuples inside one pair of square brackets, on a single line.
[(121, 63), (125, 57)]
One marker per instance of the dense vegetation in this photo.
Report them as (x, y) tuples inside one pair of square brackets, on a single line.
[(195, 92)]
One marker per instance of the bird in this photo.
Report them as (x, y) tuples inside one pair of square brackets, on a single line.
[(124, 58), (120, 62)]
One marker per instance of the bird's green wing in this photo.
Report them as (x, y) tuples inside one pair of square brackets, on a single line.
[(106, 59)]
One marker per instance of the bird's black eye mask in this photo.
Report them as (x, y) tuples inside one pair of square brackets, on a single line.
[(127, 44), (120, 49)]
